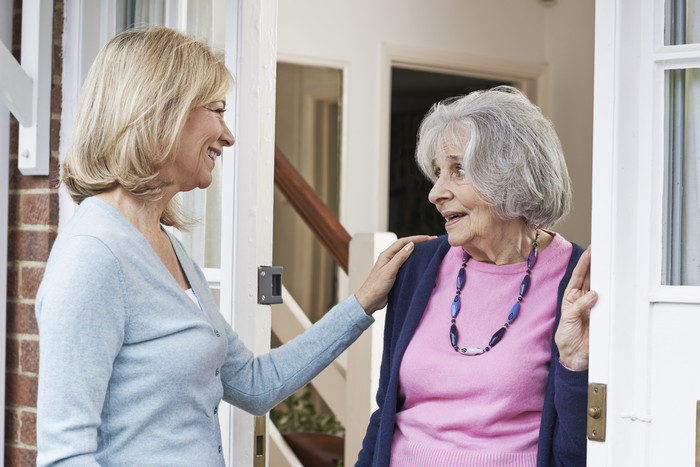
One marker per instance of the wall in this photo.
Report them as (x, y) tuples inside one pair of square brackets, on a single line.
[(33, 221), (357, 34)]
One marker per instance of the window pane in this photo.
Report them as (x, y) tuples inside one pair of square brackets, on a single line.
[(682, 234), (682, 22)]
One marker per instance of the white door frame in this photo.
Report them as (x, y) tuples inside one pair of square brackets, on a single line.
[(6, 38), (643, 334), (251, 51)]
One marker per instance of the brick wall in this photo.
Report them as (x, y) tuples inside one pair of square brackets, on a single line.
[(33, 222)]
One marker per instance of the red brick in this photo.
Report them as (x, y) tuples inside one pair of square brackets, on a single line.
[(29, 245), (30, 278), (20, 389), (54, 137), (14, 137), (39, 208), (13, 291), (19, 457), (11, 425), (29, 356), (19, 181), (21, 318), (12, 358), (14, 216), (56, 97), (27, 430)]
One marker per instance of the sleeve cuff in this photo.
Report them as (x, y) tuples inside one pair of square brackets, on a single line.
[(356, 313)]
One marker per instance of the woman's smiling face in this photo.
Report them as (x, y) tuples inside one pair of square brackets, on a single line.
[(202, 140)]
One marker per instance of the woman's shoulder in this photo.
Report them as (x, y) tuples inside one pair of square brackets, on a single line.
[(426, 255), (98, 225), (429, 248)]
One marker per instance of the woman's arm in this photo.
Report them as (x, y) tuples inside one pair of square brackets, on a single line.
[(257, 384), (80, 312)]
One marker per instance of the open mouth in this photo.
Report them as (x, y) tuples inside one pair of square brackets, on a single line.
[(452, 217), (212, 154)]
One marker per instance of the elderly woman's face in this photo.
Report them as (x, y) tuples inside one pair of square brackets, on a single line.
[(468, 220), (202, 140)]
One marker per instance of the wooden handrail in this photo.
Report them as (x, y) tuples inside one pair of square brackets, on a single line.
[(312, 209)]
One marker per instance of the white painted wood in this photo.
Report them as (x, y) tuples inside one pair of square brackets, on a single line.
[(250, 47), (365, 355), (642, 332), (15, 87), (5, 40), (280, 454), (37, 41), (288, 321)]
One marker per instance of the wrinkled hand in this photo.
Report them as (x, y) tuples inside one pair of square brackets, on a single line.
[(373, 294), (572, 334)]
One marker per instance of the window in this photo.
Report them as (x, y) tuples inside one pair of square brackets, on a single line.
[(681, 68)]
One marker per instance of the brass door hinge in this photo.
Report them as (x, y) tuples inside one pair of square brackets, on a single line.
[(596, 411)]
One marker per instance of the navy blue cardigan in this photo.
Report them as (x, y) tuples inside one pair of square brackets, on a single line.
[(562, 439)]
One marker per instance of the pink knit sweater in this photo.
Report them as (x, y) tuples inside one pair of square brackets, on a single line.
[(479, 410)]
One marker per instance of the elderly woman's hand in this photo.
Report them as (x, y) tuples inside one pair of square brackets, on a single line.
[(572, 334), (373, 294)]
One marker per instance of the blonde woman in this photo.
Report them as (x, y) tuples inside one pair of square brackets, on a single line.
[(135, 357)]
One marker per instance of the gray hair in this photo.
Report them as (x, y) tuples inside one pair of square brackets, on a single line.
[(512, 158)]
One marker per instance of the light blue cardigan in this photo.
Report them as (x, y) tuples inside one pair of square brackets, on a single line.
[(132, 372)]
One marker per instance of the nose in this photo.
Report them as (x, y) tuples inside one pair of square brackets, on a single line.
[(440, 192), (226, 138)]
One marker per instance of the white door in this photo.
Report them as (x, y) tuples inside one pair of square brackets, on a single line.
[(646, 231), (235, 236)]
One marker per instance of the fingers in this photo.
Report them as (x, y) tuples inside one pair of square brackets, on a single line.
[(373, 293), (581, 276), (401, 249), (401, 243)]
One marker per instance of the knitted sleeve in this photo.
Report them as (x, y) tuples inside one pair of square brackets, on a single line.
[(81, 314)]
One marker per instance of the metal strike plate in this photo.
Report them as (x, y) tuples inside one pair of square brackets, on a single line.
[(269, 285), (596, 411), (260, 436)]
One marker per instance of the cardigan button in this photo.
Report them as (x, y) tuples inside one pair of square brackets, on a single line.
[(216, 373)]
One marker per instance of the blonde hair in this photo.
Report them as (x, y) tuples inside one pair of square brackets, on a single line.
[(512, 157), (133, 106)]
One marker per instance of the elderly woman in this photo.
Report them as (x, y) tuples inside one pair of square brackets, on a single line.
[(135, 357), (485, 346)]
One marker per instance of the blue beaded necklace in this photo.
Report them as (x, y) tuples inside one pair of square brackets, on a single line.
[(498, 335)]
